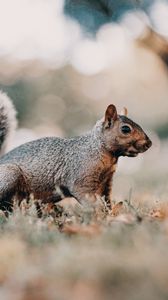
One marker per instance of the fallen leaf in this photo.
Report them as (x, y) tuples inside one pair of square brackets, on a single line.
[(117, 209), (86, 230)]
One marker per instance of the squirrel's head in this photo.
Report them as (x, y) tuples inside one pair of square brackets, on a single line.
[(122, 136)]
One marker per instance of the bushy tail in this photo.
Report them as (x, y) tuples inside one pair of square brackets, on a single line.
[(8, 122)]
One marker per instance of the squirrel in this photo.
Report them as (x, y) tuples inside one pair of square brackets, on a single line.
[(78, 166)]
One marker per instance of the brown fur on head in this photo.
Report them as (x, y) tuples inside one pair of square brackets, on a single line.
[(121, 136)]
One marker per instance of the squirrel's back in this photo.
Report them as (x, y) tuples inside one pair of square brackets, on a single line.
[(36, 149)]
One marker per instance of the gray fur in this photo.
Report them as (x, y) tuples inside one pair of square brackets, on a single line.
[(8, 122)]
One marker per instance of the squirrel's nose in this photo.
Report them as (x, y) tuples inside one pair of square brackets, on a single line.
[(143, 145), (147, 144)]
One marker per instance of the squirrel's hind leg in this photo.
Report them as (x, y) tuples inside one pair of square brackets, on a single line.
[(10, 183)]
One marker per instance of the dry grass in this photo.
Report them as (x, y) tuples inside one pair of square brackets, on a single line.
[(84, 252)]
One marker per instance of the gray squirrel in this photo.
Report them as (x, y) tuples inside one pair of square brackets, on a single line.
[(80, 166)]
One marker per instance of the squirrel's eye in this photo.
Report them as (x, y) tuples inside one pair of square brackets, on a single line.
[(125, 129)]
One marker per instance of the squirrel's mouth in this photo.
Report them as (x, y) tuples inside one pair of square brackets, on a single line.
[(137, 148), (134, 149), (131, 153)]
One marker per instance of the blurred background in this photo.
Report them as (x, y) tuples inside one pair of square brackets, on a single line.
[(63, 62)]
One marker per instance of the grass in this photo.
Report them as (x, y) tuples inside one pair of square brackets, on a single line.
[(84, 252)]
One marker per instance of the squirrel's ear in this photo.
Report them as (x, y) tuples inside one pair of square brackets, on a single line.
[(110, 116), (124, 112)]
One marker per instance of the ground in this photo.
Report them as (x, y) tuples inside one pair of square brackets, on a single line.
[(85, 252)]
